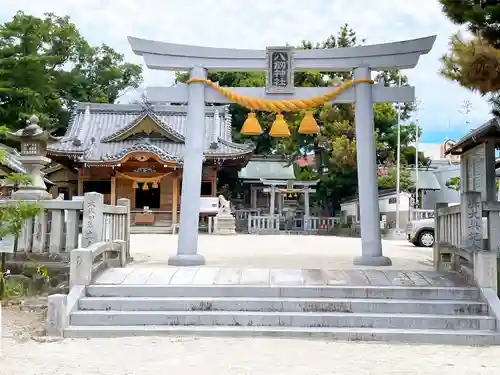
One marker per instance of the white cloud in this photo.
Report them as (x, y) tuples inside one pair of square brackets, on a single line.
[(260, 23)]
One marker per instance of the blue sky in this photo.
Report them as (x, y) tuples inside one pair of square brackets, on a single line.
[(261, 23)]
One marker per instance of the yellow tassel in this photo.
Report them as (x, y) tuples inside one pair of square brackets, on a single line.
[(155, 185), (136, 185), (251, 125), (309, 124), (145, 186), (279, 129)]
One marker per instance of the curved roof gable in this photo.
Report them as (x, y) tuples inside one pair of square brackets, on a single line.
[(147, 122), (144, 146)]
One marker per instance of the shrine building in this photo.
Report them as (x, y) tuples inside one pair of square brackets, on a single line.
[(136, 151)]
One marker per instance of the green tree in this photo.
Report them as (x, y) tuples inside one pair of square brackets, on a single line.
[(454, 184), (388, 181), (481, 17), (13, 215), (46, 66), (475, 63)]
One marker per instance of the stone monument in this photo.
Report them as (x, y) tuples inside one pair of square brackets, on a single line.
[(34, 141), (225, 223)]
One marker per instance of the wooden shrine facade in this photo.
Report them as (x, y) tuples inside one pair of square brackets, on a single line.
[(136, 152)]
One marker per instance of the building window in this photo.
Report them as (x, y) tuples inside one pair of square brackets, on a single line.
[(393, 200)]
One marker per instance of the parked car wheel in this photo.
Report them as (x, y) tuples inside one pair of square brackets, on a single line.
[(426, 238)]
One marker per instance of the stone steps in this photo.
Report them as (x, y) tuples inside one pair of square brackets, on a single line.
[(288, 319), (445, 315), (319, 291), (446, 337), (277, 304)]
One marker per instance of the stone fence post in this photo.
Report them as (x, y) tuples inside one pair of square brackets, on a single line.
[(126, 203), (436, 254), (93, 219)]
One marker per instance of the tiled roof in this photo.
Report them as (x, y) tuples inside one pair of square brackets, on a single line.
[(272, 169), (93, 129), (11, 160), (144, 146), (426, 180)]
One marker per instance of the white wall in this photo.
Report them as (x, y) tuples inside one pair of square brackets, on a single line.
[(385, 206), (350, 208), (445, 195)]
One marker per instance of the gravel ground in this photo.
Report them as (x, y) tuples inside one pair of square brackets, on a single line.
[(278, 251), (26, 353), (260, 356)]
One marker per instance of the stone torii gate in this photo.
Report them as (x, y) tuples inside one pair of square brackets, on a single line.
[(200, 60)]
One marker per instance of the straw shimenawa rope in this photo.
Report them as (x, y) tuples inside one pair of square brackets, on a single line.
[(278, 106)]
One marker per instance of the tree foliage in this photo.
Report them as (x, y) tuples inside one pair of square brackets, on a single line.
[(454, 184), (13, 215), (388, 180), (475, 63), (481, 17), (46, 66)]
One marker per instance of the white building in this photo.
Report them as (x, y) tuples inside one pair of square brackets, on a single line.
[(432, 188), (387, 203)]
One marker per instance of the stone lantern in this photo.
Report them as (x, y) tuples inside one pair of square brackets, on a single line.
[(33, 140)]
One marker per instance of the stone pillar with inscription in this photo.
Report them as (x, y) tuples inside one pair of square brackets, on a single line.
[(93, 219), (472, 226)]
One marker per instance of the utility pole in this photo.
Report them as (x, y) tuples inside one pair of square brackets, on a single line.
[(398, 160), (418, 104)]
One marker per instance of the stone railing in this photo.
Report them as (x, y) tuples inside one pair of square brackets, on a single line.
[(319, 223), (467, 239), (268, 224), (448, 226), (57, 229), (272, 224), (85, 266)]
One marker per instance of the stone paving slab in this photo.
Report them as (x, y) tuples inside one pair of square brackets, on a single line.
[(269, 276)]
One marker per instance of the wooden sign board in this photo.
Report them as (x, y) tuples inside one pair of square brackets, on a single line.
[(280, 72), (7, 245)]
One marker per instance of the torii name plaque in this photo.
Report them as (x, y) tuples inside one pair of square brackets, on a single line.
[(280, 72)]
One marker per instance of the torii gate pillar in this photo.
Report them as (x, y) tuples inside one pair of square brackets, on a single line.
[(371, 242), (187, 244), (363, 60)]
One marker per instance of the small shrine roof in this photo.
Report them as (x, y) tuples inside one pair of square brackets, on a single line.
[(270, 168), (103, 133), (489, 130), (426, 179)]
